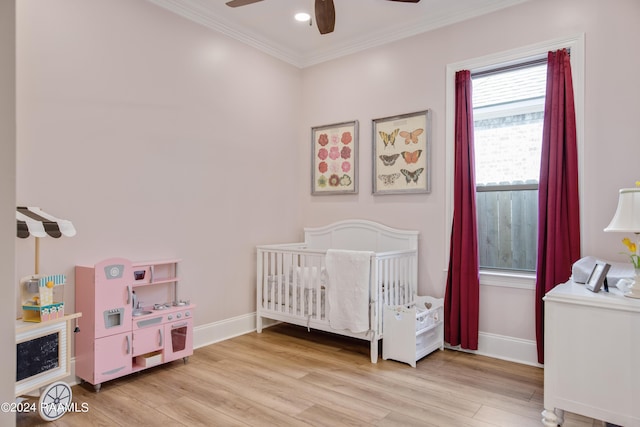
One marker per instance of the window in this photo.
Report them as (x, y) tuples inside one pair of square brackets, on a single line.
[(517, 279), (508, 109)]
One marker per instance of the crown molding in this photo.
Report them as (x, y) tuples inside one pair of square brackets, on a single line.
[(240, 34), (190, 10)]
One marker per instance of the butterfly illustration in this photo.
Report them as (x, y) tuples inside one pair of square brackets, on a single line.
[(389, 138), (410, 137), (388, 160), (412, 175), (389, 179), (411, 157)]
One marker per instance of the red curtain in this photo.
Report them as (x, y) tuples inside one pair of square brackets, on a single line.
[(463, 282), (558, 205)]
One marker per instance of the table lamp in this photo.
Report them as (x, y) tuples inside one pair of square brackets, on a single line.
[(627, 220)]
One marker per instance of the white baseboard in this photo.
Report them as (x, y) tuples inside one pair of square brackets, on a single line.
[(226, 329), (506, 348)]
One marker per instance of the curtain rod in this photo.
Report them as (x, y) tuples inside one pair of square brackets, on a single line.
[(511, 67), (514, 66)]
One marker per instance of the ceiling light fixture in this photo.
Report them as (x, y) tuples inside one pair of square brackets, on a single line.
[(302, 17)]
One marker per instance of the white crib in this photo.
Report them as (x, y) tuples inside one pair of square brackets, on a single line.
[(292, 280)]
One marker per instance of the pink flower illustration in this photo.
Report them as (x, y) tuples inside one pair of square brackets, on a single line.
[(334, 180), (322, 153), (334, 153), (323, 167), (334, 139), (345, 153), (346, 166), (323, 139), (346, 138)]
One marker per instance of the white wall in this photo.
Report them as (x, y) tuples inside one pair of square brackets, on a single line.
[(7, 205), (157, 138), (160, 138), (409, 76)]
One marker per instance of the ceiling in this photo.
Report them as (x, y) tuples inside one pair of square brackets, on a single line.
[(360, 24)]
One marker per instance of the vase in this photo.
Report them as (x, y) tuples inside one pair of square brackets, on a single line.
[(634, 290)]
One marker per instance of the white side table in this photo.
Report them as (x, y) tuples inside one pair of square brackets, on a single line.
[(592, 355)]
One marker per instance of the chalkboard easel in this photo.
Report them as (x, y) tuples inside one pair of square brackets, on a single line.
[(42, 352), (37, 355)]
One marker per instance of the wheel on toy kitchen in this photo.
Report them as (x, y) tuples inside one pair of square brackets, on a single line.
[(54, 401)]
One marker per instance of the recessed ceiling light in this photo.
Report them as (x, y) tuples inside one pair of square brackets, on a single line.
[(302, 17)]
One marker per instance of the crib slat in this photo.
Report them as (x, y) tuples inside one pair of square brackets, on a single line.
[(387, 281), (395, 283), (377, 296), (275, 286), (303, 305), (400, 287), (316, 294), (294, 303), (284, 288), (265, 280), (282, 294)]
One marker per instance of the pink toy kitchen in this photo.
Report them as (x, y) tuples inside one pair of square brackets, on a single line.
[(133, 318)]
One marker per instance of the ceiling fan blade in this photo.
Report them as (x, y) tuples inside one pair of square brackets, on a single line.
[(407, 1), (325, 16), (238, 3)]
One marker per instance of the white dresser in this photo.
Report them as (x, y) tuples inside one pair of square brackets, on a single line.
[(591, 355)]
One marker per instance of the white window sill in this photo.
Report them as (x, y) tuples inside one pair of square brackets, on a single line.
[(508, 279)]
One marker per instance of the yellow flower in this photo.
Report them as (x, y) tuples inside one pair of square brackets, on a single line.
[(633, 255), (629, 244)]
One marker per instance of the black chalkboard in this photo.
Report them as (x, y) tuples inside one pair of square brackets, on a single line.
[(37, 355)]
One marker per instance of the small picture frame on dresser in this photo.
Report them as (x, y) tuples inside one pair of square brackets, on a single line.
[(598, 276)]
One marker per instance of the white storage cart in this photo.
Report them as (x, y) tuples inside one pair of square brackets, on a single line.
[(43, 335), (413, 331)]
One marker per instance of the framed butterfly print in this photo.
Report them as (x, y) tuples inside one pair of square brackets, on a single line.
[(402, 154), (334, 161)]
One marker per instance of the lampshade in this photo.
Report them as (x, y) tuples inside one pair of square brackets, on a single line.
[(627, 216)]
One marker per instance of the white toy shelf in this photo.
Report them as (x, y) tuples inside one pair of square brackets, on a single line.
[(413, 331)]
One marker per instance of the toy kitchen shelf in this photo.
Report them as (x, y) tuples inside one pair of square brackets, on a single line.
[(155, 272), (133, 318)]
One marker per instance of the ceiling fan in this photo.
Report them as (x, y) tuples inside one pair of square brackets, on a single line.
[(325, 12)]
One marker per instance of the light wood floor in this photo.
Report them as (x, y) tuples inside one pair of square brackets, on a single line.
[(287, 376)]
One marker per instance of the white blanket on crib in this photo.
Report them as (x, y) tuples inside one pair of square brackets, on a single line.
[(348, 289)]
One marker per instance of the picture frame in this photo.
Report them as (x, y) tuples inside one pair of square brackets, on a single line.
[(598, 276), (402, 153), (334, 159)]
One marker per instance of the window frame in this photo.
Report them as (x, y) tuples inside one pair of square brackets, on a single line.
[(515, 279), (500, 109)]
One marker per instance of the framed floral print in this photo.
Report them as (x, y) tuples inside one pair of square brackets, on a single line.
[(334, 162), (402, 154)]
